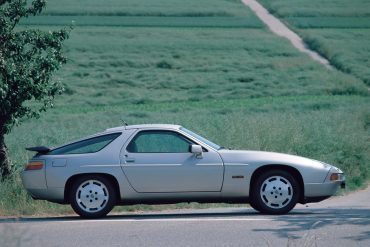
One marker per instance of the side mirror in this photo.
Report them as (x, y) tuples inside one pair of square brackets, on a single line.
[(197, 150)]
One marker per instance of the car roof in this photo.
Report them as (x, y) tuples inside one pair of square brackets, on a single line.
[(144, 126)]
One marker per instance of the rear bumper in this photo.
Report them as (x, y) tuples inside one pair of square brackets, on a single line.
[(51, 194), (34, 180), (35, 184)]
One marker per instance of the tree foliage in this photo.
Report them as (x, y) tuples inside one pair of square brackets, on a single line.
[(28, 59)]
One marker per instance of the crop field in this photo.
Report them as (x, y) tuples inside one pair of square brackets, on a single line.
[(317, 8), (337, 29), (130, 65), (192, 8), (209, 65)]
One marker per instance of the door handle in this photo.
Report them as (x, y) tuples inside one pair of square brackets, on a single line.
[(129, 160)]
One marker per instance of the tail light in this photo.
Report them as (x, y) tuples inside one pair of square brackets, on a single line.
[(34, 165)]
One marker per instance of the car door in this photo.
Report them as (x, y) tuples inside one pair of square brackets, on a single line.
[(161, 161)]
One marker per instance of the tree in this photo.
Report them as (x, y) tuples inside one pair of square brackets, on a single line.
[(28, 59)]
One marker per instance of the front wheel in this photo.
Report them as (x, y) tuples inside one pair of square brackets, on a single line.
[(275, 192), (92, 196)]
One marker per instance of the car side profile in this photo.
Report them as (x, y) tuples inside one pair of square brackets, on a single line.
[(161, 163)]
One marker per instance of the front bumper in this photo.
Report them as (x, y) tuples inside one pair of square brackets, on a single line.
[(334, 179), (320, 192), (322, 189)]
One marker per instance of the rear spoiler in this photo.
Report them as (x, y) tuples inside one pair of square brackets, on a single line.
[(39, 149)]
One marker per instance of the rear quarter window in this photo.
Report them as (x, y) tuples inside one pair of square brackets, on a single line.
[(91, 145)]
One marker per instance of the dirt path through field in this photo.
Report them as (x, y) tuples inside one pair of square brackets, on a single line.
[(279, 28)]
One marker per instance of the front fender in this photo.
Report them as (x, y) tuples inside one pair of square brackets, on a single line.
[(312, 171)]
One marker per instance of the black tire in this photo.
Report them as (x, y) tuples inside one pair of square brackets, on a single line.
[(92, 196), (254, 206), (275, 192)]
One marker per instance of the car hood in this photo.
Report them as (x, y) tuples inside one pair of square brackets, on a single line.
[(271, 158)]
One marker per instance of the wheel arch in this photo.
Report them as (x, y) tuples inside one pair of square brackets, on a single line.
[(286, 168), (72, 179)]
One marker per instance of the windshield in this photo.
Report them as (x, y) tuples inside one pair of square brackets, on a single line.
[(202, 139)]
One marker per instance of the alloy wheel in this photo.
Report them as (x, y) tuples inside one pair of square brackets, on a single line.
[(92, 196), (276, 192)]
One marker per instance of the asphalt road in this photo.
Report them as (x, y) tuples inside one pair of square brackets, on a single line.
[(341, 221)]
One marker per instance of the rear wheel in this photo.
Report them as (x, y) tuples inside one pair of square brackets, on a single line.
[(92, 196), (275, 192)]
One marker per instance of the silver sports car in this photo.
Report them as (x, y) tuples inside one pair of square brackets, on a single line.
[(159, 163)]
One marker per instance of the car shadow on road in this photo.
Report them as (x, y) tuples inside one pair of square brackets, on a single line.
[(311, 223)]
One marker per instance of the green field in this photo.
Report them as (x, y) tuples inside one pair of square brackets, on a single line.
[(208, 65), (318, 8), (192, 8), (130, 65), (337, 29)]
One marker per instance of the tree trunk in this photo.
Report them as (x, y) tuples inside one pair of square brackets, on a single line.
[(5, 165)]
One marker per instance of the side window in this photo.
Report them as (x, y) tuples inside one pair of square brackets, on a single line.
[(91, 145), (159, 142)]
